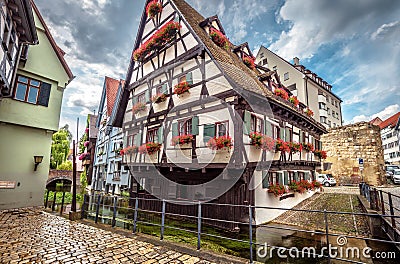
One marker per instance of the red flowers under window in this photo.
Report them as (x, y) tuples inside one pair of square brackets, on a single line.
[(183, 139), (293, 99), (309, 112), (294, 147), (281, 146), (320, 154), (153, 8), (262, 141), (281, 93), (219, 38), (181, 88), (308, 147), (159, 98), (277, 190), (138, 107), (149, 148), (249, 62), (129, 150), (222, 142), (159, 39)]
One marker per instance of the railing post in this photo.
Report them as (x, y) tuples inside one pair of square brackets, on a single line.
[(115, 211), (97, 209), (382, 202), (199, 227), (162, 220), (135, 214), (391, 210), (62, 203), (327, 235), (251, 233), (83, 206), (47, 199), (53, 207)]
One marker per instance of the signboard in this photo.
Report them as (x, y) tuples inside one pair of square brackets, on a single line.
[(361, 161), (7, 184)]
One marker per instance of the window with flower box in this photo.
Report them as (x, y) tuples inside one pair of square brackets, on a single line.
[(32, 91), (152, 135), (162, 89), (222, 128), (188, 77), (186, 126)]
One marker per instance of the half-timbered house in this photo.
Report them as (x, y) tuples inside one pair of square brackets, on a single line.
[(202, 122)]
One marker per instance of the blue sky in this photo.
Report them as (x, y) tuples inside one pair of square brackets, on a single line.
[(354, 45)]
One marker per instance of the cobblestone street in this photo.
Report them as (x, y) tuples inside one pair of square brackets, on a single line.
[(32, 236)]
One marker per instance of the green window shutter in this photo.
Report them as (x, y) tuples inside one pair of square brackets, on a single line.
[(247, 122), (286, 178), (265, 179), (300, 136), (320, 145), (147, 96), (195, 125), (287, 134), (175, 131), (176, 19), (138, 139), (282, 133), (160, 134), (44, 95), (208, 133), (281, 179), (296, 176), (307, 175), (189, 78), (268, 129), (164, 89), (134, 100)]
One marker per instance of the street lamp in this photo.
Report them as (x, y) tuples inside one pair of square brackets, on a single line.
[(38, 160)]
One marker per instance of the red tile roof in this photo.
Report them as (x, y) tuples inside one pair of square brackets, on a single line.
[(391, 121), (111, 93)]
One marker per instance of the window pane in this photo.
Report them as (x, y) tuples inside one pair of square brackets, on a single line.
[(22, 79), (21, 91), (35, 83), (33, 92)]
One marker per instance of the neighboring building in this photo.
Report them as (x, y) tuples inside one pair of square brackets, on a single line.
[(390, 139), (91, 132), (226, 102), (346, 145), (109, 175), (309, 88), (17, 31), (29, 119)]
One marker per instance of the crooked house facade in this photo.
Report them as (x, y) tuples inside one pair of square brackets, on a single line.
[(202, 122)]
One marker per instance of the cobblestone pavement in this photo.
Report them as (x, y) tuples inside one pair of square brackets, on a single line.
[(32, 236)]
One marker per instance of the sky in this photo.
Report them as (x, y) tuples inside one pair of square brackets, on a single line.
[(353, 45)]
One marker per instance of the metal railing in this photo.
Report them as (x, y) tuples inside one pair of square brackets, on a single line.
[(94, 205)]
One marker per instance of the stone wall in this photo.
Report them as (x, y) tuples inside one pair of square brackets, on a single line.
[(345, 145)]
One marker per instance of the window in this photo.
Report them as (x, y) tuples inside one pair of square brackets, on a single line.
[(328, 110), (27, 90), (185, 127), (261, 55), (286, 76), (152, 135), (264, 62), (274, 68), (256, 124), (322, 119), (222, 128), (321, 105), (188, 77), (141, 98), (162, 89)]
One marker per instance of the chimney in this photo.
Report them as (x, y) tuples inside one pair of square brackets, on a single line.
[(296, 61)]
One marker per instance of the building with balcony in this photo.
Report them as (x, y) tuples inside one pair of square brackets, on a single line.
[(31, 115), (310, 89), (109, 175), (202, 122), (390, 138)]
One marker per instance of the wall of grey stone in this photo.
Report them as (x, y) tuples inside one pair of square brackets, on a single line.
[(345, 145)]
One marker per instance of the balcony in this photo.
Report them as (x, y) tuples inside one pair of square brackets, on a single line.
[(321, 99), (323, 112)]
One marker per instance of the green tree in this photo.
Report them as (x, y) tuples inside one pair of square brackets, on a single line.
[(59, 148), (67, 166)]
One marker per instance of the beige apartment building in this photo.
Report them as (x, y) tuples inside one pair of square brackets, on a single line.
[(309, 88)]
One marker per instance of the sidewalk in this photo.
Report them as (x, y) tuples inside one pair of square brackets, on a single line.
[(33, 236)]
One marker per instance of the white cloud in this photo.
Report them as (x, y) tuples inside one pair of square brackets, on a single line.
[(386, 29), (384, 114)]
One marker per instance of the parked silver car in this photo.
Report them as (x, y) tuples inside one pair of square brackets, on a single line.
[(326, 180), (396, 176)]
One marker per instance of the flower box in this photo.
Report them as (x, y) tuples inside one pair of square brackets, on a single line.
[(308, 112), (293, 99), (249, 62), (321, 154), (158, 40), (277, 189), (159, 98), (183, 139), (153, 8), (138, 108), (281, 146), (181, 88), (307, 147), (281, 93), (129, 150), (294, 147), (149, 148), (262, 141), (219, 39), (217, 143)]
